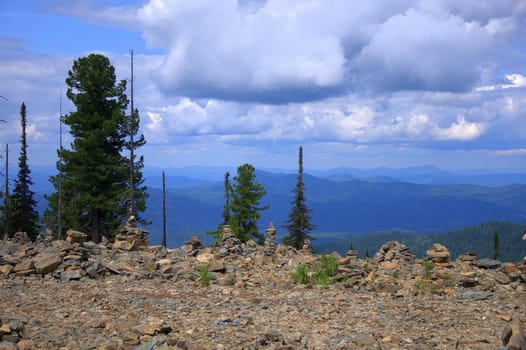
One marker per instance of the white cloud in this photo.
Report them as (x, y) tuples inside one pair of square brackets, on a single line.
[(353, 77), (461, 130), (512, 81)]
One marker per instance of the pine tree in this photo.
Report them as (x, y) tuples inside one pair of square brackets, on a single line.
[(226, 208), (245, 197), (95, 171), (23, 214), (299, 223), (496, 244), (217, 234)]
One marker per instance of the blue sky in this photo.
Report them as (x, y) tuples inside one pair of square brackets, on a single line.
[(358, 83)]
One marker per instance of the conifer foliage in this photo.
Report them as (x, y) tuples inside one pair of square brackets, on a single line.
[(22, 210), (245, 197), (95, 180), (299, 222)]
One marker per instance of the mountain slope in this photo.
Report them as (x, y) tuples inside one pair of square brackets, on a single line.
[(351, 207)]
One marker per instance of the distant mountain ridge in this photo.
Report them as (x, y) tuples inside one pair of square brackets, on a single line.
[(350, 207), (345, 202)]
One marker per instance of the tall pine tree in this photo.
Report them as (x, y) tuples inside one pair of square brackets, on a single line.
[(299, 223), (245, 197), (23, 214), (226, 208), (95, 181)]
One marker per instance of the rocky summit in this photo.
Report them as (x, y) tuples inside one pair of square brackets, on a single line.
[(74, 294)]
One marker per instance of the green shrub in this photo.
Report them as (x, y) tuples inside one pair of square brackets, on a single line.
[(324, 269), (428, 267), (328, 264), (301, 274), (205, 275)]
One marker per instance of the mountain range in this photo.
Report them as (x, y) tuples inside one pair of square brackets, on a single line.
[(345, 202)]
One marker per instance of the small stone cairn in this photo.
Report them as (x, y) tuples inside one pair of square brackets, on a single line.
[(21, 238), (192, 246), (130, 237), (269, 247), (73, 236), (230, 242), (439, 255), (307, 247), (469, 258), (392, 254)]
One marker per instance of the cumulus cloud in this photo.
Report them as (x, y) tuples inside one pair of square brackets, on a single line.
[(511, 81), (350, 77), (290, 51)]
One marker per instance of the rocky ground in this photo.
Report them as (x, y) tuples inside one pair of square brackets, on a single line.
[(77, 295)]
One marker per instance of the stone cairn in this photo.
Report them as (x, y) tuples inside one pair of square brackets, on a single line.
[(469, 258), (307, 247), (349, 268), (21, 238), (269, 247), (130, 237), (232, 244), (439, 255), (73, 236), (352, 254), (392, 254), (192, 246)]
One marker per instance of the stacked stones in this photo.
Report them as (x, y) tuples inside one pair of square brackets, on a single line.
[(391, 254), (439, 255), (21, 238), (307, 248), (391, 260), (269, 247), (73, 236), (230, 242), (130, 237), (469, 258), (349, 269), (192, 246)]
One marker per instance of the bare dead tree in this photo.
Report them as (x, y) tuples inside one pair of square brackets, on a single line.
[(164, 213)]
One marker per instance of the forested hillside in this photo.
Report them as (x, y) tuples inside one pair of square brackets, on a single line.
[(343, 208), (477, 238)]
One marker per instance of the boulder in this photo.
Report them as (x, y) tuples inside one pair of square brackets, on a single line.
[(47, 263), (25, 266)]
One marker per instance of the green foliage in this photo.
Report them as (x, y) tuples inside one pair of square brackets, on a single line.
[(424, 286), (95, 179), (496, 244), (322, 272), (428, 266), (205, 276), (245, 194), (226, 208), (217, 235), (23, 215), (299, 222), (326, 268), (301, 274)]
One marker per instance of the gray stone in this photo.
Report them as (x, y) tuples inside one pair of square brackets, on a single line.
[(70, 275), (488, 263)]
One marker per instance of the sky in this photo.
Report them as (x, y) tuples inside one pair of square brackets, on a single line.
[(358, 84)]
